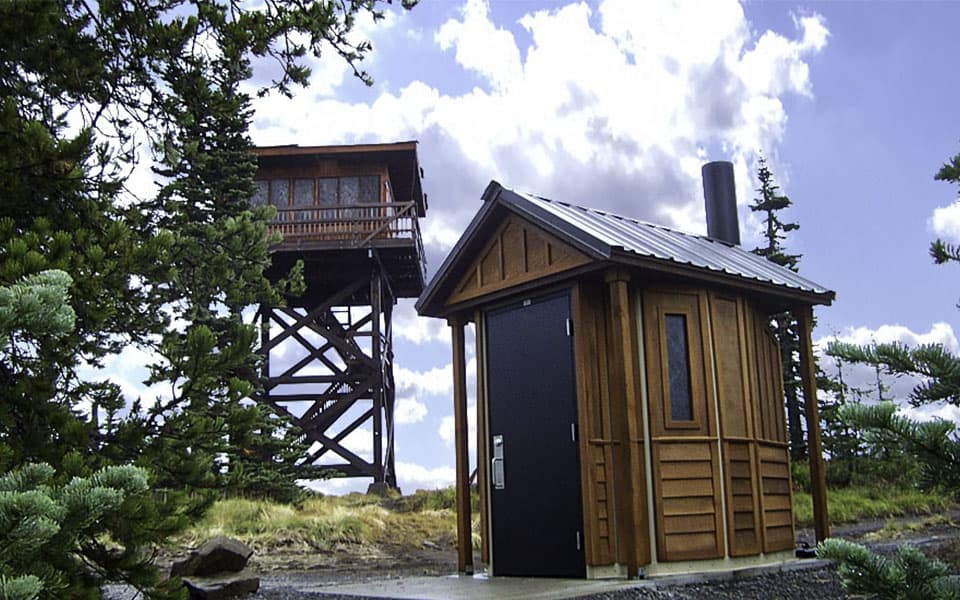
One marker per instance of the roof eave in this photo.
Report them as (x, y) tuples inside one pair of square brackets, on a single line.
[(784, 293)]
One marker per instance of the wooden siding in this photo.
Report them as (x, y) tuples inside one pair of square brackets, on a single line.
[(518, 253), (686, 468), (772, 451), (689, 519), (743, 514), (751, 441), (596, 431), (736, 401)]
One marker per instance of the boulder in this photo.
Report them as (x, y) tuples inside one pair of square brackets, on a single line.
[(219, 555), (222, 587)]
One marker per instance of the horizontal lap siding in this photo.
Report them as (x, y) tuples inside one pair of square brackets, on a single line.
[(777, 504), (742, 514), (687, 478), (736, 400)]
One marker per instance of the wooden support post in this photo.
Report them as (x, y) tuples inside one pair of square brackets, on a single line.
[(625, 413), (464, 535), (808, 379)]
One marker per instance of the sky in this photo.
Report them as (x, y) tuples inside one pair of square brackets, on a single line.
[(615, 104)]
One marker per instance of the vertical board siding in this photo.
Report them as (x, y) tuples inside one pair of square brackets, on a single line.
[(595, 424), (518, 253), (686, 472), (772, 452), (736, 400)]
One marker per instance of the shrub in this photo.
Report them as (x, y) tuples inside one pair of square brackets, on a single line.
[(909, 575)]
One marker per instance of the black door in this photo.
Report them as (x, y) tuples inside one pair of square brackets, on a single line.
[(536, 507)]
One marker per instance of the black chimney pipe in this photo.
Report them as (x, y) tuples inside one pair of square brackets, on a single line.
[(720, 194)]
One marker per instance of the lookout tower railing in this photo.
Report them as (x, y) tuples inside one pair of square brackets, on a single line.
[(351, 226)]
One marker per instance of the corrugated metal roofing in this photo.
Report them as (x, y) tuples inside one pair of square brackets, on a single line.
[(661, 243)]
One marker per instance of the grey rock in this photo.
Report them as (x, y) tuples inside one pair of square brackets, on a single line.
[(222, 587), (219, 555)]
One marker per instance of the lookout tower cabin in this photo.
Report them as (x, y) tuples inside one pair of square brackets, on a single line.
[(351, 214), (630, 408)]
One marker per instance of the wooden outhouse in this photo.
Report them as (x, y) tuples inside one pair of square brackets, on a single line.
[(630, 415)]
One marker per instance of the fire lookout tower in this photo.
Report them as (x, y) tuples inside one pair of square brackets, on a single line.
[(350, 213)]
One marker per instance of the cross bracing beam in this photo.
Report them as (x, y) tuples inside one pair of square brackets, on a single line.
[(329, 368)]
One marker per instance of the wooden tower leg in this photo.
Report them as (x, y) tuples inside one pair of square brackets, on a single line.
[(376, 349), (354, 387)]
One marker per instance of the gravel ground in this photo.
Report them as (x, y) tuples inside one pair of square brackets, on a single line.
[(806, 580), (815, 581)]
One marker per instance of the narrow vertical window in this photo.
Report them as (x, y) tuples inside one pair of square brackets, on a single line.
[(261, 193), (678, 365), (280, 197), (349, 190), (327, 191), (370, 189), (303, 197)]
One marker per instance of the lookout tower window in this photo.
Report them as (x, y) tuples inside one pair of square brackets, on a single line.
[(261, 194), (324, 191), (678, 364)]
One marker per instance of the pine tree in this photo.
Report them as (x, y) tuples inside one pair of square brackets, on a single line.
[(935, 445), (83, 87), (785, 328)]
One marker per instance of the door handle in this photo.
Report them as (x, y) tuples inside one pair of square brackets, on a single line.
[(499, 481)]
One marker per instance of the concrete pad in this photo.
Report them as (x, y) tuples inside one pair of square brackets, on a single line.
[(477, 587)]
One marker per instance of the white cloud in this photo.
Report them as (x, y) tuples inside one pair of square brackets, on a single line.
[(945, 221), (940, 333), (436, 381), (447, 428), (864, 377), (411, 477), (481, 46), (407, 325), (622, 106), (408, 411)]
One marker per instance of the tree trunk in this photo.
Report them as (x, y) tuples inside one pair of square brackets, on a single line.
[(788, 348)]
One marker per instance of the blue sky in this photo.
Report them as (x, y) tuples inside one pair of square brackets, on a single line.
[(615, 104)]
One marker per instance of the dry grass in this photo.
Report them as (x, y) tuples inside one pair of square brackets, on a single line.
[(895, 529), (326, 522), (848, 505)]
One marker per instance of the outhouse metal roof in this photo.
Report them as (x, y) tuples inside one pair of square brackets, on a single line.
[(610, 238)]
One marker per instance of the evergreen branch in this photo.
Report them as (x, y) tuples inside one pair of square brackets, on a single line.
[(934, 443), (939, 369), (909, 575), (943, 252)]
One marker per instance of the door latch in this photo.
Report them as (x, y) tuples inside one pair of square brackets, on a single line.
[(498, 475)]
